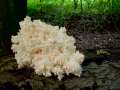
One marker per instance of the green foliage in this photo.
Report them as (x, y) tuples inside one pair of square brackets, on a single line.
[(56, 11)]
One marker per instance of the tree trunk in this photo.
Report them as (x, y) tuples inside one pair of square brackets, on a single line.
[(12, 11), (81, 4), (75, 4), (3, 22)]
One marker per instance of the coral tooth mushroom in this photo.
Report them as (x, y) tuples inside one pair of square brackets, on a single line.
[(47, 49)]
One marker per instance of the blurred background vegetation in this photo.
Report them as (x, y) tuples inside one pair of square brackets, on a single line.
[(57, 11)]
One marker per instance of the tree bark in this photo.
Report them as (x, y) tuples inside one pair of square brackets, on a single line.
[(11, 12)]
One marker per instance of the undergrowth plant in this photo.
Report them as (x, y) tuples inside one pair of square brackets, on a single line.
[(56, 11)]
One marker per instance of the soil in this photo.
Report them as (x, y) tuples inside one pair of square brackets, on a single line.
[(104, 76), (101, 68)]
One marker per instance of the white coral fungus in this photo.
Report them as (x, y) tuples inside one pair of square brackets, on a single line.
[(47, 49)]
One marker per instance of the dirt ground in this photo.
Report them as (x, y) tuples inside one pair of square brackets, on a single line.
[(101, 68), (95, 76)]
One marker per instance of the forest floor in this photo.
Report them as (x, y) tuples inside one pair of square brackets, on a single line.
[(101, 68), (104, 76)]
